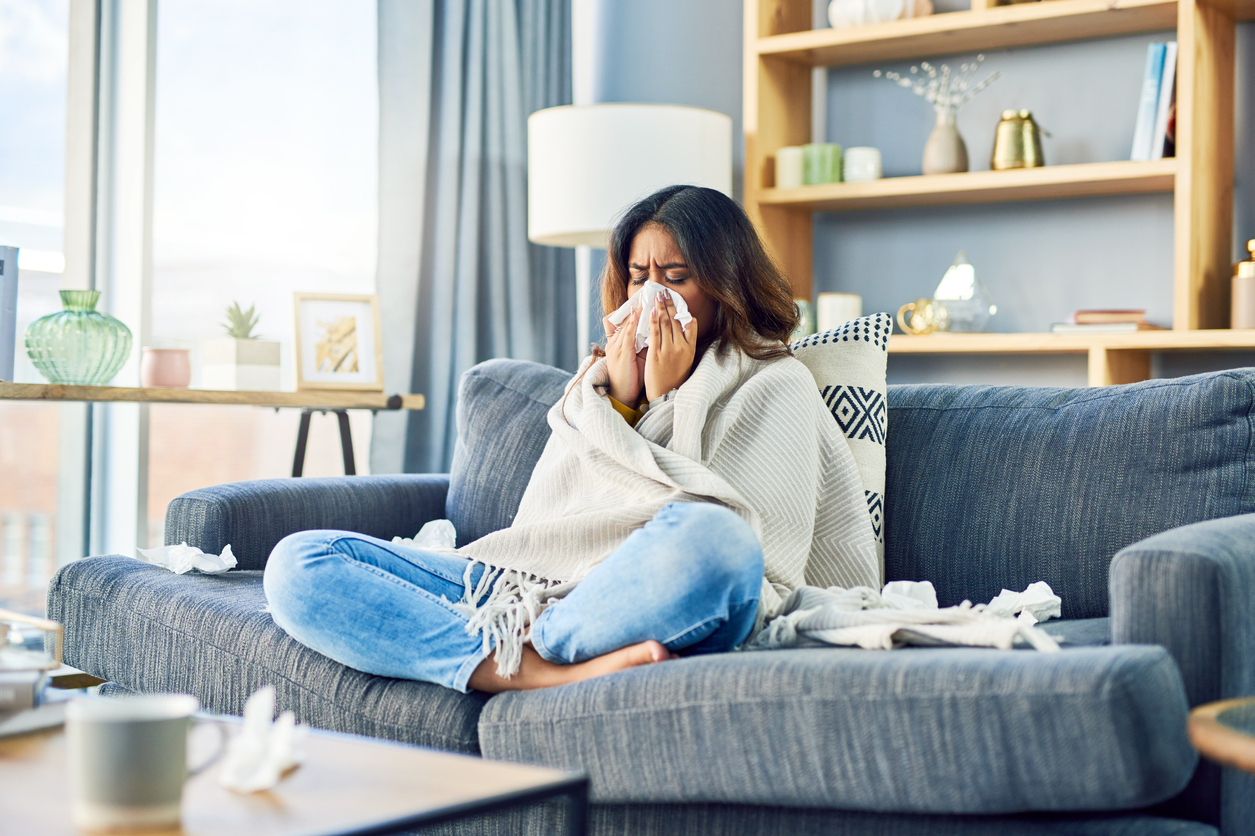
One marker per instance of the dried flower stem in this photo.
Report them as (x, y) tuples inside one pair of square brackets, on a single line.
[(945, 91)]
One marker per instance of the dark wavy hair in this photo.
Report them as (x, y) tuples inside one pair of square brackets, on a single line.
[(725, 257)]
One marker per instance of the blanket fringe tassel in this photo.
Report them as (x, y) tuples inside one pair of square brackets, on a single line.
[(514, 600)]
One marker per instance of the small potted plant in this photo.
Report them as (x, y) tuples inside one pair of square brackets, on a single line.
[(241, 361)]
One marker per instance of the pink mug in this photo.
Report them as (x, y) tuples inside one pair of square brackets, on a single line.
[(165, 368)]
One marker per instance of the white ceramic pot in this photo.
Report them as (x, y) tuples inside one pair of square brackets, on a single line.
[(240, 365), (861, 165), (945, 151)]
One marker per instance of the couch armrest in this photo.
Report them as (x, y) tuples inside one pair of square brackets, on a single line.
[(253, 516), (1192, 590)]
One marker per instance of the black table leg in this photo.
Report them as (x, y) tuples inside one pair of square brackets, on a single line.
[(577, 810), (302, 439), (346, 443)]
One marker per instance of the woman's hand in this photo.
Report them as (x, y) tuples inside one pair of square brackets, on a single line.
[(625, 374), (671, 349)]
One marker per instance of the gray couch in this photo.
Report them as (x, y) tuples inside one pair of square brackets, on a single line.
[(1136, 503)]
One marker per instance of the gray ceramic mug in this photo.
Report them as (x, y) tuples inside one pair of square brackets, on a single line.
[(128, 760)]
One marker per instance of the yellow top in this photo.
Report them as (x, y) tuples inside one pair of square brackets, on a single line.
[(629, 414)]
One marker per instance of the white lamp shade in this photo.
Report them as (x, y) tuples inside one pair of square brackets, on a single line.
[(587, 164)]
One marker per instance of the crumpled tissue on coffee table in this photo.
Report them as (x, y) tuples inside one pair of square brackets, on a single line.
[(263, 749)]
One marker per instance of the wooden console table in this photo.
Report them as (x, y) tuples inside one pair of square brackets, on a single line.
[(309, 402)]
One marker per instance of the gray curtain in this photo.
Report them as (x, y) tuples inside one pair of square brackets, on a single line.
[(458, 280)]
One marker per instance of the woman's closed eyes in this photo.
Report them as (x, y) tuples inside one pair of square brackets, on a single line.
[(671, 280)]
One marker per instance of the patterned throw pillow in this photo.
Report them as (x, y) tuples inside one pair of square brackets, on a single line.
[(849, 367)]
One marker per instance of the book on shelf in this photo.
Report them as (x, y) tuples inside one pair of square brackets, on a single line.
[(1148, 105), (1105, 321), (1153, 136), (1103, 327), (1093, 316), (1159, 141), (1096, 328)]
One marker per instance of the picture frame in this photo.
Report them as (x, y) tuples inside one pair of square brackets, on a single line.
[(338, 342)]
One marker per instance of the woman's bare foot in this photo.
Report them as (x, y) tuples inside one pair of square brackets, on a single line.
[(537, 672)]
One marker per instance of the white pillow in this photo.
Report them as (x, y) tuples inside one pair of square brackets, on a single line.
[(848, 364)]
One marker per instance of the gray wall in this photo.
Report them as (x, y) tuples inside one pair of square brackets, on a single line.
[(1039, 260)]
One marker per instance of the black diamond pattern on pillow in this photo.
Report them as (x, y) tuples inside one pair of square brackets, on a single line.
[(874, 329), (876, 508), (859, 412)]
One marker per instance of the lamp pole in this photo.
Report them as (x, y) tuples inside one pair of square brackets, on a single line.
[(583, 298)]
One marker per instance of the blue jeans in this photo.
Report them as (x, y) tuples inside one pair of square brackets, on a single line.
[(690, 579)]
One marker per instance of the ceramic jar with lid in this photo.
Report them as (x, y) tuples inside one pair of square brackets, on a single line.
[(1242, 309)]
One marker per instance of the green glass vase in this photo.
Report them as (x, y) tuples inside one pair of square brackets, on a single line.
[(80, 345)]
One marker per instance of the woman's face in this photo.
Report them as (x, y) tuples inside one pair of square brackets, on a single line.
[(654, 255)]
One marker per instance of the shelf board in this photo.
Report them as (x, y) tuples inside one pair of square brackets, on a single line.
[(1002, 27), (312, 399), (1045, 183), (1171, 340)]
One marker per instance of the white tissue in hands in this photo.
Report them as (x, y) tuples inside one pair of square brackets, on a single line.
[(184, 558), (646, 296), (262, 750)]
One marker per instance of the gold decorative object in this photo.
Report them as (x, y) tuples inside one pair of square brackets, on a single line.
[(1017, 142), (925, 317)]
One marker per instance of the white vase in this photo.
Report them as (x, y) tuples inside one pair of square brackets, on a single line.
[(945, 152)]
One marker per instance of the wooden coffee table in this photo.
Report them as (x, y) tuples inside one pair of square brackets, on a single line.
[(1225, 732), (344, 785)]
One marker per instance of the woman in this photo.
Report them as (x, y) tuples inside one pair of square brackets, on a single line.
[(683, 490)]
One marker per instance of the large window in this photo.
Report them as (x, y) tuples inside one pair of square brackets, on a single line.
[(32, 187), (265, 184)]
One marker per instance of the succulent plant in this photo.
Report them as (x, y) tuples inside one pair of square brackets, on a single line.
[(240, 323)]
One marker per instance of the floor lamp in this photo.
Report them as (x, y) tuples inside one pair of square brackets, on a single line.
[(587, 164)]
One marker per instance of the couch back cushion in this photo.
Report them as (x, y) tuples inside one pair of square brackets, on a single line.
[(502, 431), (993, 487)]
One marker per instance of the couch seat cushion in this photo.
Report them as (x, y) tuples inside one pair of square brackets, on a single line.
[(911, 731), (1079, 632), (149, 630)]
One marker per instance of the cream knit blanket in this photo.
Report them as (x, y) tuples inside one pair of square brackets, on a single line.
[(751, 435)]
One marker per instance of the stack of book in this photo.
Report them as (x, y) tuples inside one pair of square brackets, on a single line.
[(1154, 136), (1122, 321)]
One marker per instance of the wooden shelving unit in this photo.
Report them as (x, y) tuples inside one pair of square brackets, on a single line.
[(1026, 24), (1112, 358), (781, 50), (981, 187)]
